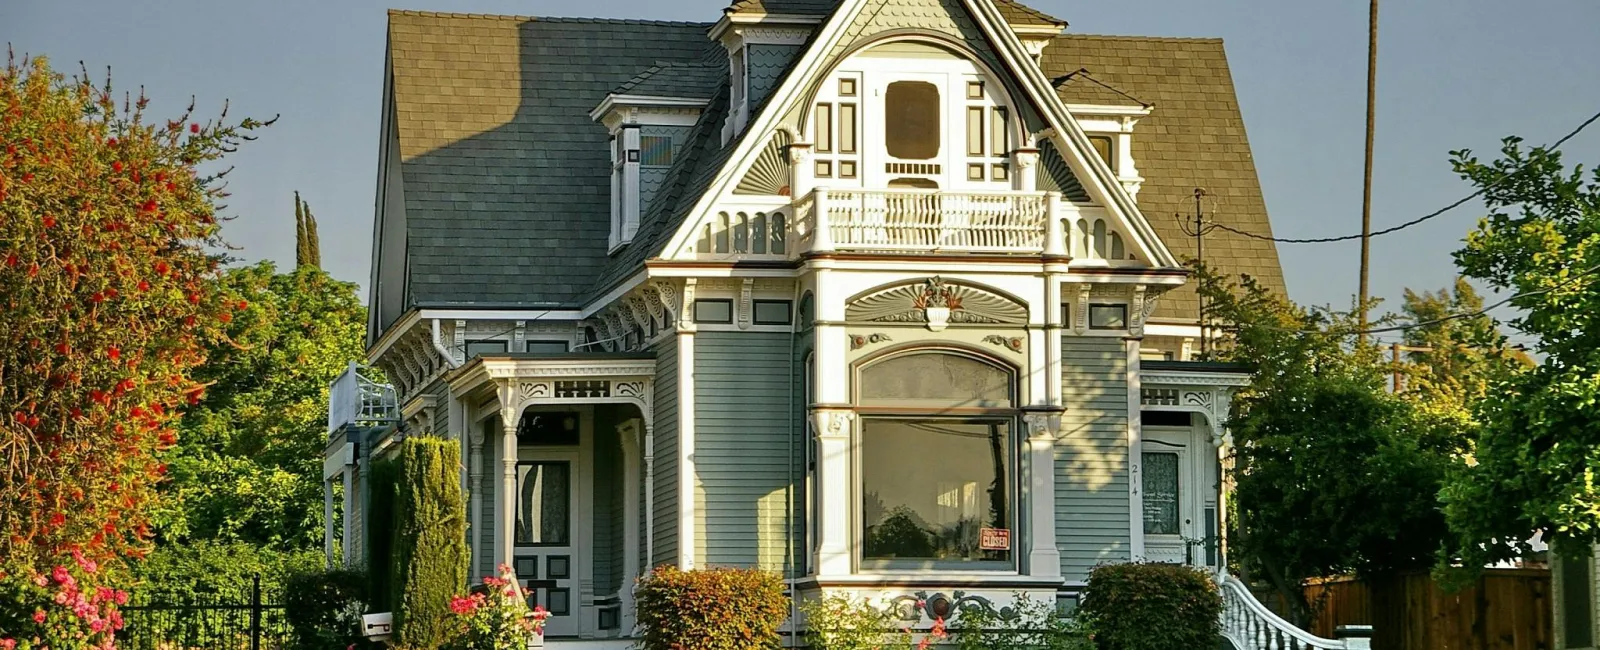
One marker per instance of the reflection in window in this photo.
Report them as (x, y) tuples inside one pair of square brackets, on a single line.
[(951, 504), (1160, 493), (1102, 145), (911, 127), (936, 379), (542, 500)]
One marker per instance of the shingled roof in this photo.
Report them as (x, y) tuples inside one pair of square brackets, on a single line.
[(1014, 12), (1194, 137), (507, 180), (688, 80)]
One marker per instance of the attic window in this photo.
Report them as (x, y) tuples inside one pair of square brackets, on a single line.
[(912, 120), (1108, 152), (655, 151)]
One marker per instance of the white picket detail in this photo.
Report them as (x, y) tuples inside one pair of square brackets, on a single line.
[(1249, 625)]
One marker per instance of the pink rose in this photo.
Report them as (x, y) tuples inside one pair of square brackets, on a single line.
[(38, 616), (8, 644), (60, 575)]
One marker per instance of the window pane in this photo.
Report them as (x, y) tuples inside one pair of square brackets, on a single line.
[(949, 380), (824, 128), (713, 311), (938, 507), (547, 347), (1160, 493), (912, 120), (655, 151), (476, 348), (847, 128), (1102, 146), (975, 132), (542, 494), (1108, 317), (772, 312)]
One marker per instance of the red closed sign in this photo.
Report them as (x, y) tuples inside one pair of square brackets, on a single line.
[(994, 539)]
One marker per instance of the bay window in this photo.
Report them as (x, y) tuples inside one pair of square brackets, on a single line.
[(937, 463)]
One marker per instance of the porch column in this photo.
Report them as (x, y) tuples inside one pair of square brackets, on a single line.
[(833, 427), (628, 433), (327, 523), (1044, 558), (477, 489), (508, 484), (686, 426)]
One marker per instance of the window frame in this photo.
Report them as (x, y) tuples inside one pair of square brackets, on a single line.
[(696, 311), (1011, 415), (517, 514), (1107, 328), (505, 347), (755, 312)]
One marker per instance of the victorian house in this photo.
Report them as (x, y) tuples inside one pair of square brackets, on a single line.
[(886, 296)]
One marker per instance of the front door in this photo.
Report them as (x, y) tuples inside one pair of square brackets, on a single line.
[(552, 532), (1168, 486)]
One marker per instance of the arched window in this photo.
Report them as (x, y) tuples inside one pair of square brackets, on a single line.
[(937, 458)]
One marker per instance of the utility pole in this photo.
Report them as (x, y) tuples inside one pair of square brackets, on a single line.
[(1395, 350), (1366, 188), (1198, 228)]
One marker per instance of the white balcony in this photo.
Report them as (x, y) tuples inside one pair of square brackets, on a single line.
[(931, 221)]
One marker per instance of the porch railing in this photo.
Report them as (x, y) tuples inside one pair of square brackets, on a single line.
[(1249, 625), (912, 220)]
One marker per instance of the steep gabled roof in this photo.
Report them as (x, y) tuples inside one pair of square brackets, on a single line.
[(506, 179), (1194, 137), (1014, 12)]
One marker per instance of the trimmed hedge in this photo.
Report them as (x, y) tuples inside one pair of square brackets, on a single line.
[(383, 481), (1152, 607), (711, 609), (324, 610), (430, 543)]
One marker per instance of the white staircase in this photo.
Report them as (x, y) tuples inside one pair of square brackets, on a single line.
[(1249, 625)]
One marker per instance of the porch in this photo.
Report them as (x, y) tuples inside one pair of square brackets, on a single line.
[(557, 454)]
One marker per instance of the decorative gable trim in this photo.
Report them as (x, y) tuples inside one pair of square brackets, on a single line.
[(829, 43), (936, 302)]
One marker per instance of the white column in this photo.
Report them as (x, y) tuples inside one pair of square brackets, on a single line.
[(477, 489), (686, 411), (1135, 458), (834, 426), (628, 433), (351, 505), (508, 485), (1044, 558)]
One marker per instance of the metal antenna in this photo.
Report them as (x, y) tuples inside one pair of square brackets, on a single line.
[(1197, 227)]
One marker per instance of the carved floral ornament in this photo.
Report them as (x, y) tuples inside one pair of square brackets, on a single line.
[(936, 303)]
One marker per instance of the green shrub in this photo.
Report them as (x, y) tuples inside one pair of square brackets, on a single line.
[(208, 571), (844, 622), (324, 609), (383, 484), (711, 609), (1151, 607), (430, 543), (1027, 623)]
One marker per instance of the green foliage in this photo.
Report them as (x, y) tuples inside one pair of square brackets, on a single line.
[(430, 544), (67, 608), (324, 609), (1151, 607), (383, 490), (1535, 458), (843, 622), (1027, 623), (711, 609), (1464, 354), (1315, 432), (203, 570), (248, 467), (307, 246)]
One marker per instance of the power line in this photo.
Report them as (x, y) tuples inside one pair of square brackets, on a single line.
[(1329, 240)]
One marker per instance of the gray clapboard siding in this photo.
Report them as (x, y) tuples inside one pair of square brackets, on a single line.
[(666, 454), (1092, 525), (744, 436), (490, 513)]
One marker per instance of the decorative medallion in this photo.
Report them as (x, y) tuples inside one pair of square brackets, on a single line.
[(937, 303), (858, 341), (1013, 343)]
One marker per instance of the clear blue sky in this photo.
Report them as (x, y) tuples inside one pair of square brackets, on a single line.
[(1453, 74)]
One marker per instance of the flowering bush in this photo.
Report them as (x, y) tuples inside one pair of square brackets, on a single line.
[(497, 617), (107, 300), (63, 609), (711, 609)]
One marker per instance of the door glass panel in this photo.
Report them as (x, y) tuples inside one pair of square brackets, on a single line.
[(912, 122), (1161, 493), (953, 504), (543, 498)]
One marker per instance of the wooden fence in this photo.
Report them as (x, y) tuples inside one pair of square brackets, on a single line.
[(1509, 609)]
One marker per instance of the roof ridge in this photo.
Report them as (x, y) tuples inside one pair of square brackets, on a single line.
[(547, 19), (1032, 11), (1155, 39)]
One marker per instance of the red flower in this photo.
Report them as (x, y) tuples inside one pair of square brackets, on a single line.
[(111, 142), (116, 166), (38, 616), (49, 221), (114, 353), (11, 260), (161, 268), (225, 317), (144, 285), (194, 128), (243, 305)]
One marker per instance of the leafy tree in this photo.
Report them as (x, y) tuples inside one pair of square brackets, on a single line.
[(249, 468), (1536, 456), (107, 304), (1465, 349), (1316, 432)]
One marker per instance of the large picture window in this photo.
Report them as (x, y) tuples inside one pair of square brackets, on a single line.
[(936, 462)]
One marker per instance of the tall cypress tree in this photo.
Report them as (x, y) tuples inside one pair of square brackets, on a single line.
[(429, 554), (307, 245)]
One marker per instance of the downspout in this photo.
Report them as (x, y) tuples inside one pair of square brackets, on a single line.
[(438, 346)]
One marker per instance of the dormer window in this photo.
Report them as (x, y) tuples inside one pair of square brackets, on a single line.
[(1104, 145), (647, 132), (1110, 131)]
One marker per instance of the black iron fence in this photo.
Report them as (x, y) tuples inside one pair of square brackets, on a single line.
[(245, 619)]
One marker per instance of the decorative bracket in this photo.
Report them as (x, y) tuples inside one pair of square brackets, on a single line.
[(1080, 312), (858, 341), (744, 302), (1136, 311)]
